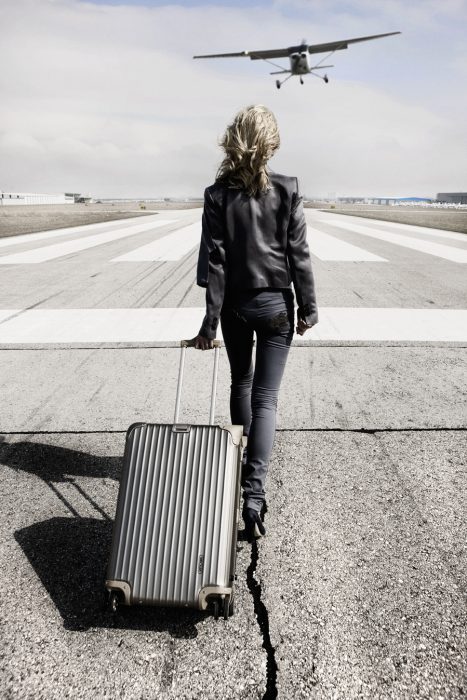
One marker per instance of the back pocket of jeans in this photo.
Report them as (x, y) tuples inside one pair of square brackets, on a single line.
[(279, 322)]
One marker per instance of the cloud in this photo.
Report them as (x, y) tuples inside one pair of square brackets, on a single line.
[(107, 98)]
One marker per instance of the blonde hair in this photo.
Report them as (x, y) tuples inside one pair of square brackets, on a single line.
[(249, 142)]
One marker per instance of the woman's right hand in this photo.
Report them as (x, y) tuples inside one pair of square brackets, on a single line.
[(302, 327), (202, 343)]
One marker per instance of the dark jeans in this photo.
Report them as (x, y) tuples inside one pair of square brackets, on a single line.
[(253, 396)]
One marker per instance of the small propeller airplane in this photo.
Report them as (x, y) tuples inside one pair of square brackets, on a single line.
[(298, 56)]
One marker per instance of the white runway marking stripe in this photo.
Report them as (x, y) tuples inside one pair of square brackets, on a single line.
[(100, 325), (172, 324), (437, 232), (58, 250), (327, 247), (57, 233), (171, 247), (458, 255), (395, 324)]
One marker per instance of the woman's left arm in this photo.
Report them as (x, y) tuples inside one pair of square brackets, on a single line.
[(298, 256), (211, 267)]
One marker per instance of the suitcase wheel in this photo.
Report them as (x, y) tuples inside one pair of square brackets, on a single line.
[(223, 606), (113, 602)]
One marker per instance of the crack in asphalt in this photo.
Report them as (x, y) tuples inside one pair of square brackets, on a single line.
[(262, 617)]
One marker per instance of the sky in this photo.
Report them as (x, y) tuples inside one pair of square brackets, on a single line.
[(105, 98)]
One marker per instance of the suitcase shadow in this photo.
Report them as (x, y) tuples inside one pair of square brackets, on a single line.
[(69, 555), (57, 463)]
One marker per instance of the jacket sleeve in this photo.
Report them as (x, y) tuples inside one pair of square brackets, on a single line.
[(211, 265), (298, 256)]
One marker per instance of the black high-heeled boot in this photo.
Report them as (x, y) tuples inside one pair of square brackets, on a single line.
[(254, 527)]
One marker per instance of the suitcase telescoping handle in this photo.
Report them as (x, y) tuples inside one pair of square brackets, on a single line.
[(184, 344)]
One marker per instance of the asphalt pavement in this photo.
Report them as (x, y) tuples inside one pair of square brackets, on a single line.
[(358, 589)]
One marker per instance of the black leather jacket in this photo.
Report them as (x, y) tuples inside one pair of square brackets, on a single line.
[(254, 242)]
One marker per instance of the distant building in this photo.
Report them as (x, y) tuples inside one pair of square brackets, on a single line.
[(397, 200), (9, 198), (72, 196), (383, 200), (452, 197), (351, 200)]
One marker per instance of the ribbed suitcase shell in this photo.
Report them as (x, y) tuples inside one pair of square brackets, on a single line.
[(175, 531)]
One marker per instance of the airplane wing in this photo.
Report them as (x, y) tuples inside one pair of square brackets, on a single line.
[(271, 53), (281, 53), (337, 45)]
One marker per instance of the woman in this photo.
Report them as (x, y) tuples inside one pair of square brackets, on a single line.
[(253, 246)]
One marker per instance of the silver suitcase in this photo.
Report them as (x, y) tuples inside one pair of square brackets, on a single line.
[(175, 533)]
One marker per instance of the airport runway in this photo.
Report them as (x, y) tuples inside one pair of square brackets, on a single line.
[(359, 589)]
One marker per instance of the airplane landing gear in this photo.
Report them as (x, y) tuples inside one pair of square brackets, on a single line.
[(326, 79), (301, 80), (279, 82)]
